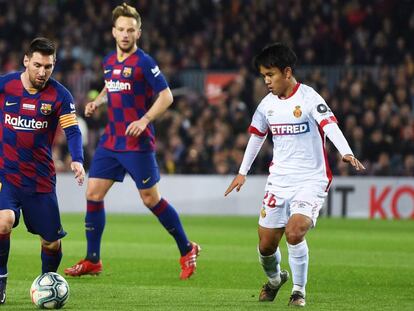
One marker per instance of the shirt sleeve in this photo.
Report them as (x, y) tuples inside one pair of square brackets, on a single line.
[(321, 112), (69, 123), (153, 74), (259, 125)]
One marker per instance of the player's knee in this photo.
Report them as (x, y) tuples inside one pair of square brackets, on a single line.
[(6, 223), (92, 195), (149, 200), (52, 246), (294, 236), (267, 250)]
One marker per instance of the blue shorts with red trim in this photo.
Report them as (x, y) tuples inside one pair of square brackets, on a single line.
[(40, 210), (113, 165)]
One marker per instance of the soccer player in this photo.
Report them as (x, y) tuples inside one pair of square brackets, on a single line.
[(32, 104), (132, 79), (298, 119)]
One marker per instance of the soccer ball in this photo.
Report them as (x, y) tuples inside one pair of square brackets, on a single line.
[(49, 291)]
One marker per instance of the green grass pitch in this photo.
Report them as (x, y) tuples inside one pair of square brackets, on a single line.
[(354, 265)]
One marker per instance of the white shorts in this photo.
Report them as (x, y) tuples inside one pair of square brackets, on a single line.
[(278, 206)]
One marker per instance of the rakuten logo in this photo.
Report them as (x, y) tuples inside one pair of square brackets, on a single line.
[(289, 129), (19, 123), (116, 86)]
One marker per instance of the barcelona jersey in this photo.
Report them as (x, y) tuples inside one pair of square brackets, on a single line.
[(28, 125), (131, 85)]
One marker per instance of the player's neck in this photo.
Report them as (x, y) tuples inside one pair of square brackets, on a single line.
[(24, 77), (291, 89), (122, 55)]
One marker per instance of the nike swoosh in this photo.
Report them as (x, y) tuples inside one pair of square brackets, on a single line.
[(106, 71), (10, 104), (144, 181)]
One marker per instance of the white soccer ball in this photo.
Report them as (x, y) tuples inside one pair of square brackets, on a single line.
[(49, 291)]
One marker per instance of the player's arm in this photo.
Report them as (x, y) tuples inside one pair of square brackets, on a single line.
[(101, 99), (252, 149), (161, 104), (69, 124), (336, 136)]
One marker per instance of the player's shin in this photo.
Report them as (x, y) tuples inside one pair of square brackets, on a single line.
[(4, 253), (94, 227), (169, 218), (51, 259), (299, 262), (271, 266)]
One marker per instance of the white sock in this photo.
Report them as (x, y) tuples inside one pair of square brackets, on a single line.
[(299, 262), (271, 266)]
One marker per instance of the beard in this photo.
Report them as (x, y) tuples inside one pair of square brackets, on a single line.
[(37, 84), (129, 48)]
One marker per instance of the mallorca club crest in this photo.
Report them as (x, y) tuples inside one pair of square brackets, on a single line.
[(297, 112), (127, 72), (45, 108)]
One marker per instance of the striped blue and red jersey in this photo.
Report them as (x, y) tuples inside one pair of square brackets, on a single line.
[(131, 85), (28, 123)]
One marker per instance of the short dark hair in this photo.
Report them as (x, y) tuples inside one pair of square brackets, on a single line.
[(43, 46), (276, 55)]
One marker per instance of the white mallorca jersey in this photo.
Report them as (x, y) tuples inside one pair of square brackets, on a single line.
[(296, 124)]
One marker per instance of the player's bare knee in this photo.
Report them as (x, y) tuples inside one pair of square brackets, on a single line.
[(149, 200), (52, 246), (6, 221), (267, 250), (294, 236), (92, 195)]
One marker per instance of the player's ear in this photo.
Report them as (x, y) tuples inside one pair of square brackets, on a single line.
[(138, 33), (287, 72), (113, 32), (26, 61)]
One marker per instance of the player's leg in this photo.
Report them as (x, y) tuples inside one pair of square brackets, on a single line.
[(170, 220), (304, 210), (41, 217), (272, 221), (105, 170), (95, 220), (51, 255), (9, 218), (298, 251)]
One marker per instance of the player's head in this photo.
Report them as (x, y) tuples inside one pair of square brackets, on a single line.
[(126, 27), (276, 64), (39, 61)]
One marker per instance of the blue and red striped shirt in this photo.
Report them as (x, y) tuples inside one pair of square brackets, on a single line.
[(131, 85), (28, 124)]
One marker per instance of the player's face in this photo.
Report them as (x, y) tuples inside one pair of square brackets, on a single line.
[(276, 81), (39, 68), (126, 33)]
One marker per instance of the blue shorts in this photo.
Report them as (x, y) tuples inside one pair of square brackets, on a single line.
[(113, 165), (40, 210)]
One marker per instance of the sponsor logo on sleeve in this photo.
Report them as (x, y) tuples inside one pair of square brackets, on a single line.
[(322, 108), (155, 71)]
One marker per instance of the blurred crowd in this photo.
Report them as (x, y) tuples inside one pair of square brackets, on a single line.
[(373, 99)]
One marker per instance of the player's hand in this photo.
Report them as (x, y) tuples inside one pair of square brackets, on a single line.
[(349, 158), (79, 171), (90, 108), (237, 183), (137, 127)]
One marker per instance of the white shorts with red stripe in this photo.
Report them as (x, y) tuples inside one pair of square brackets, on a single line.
[(279, 206)]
